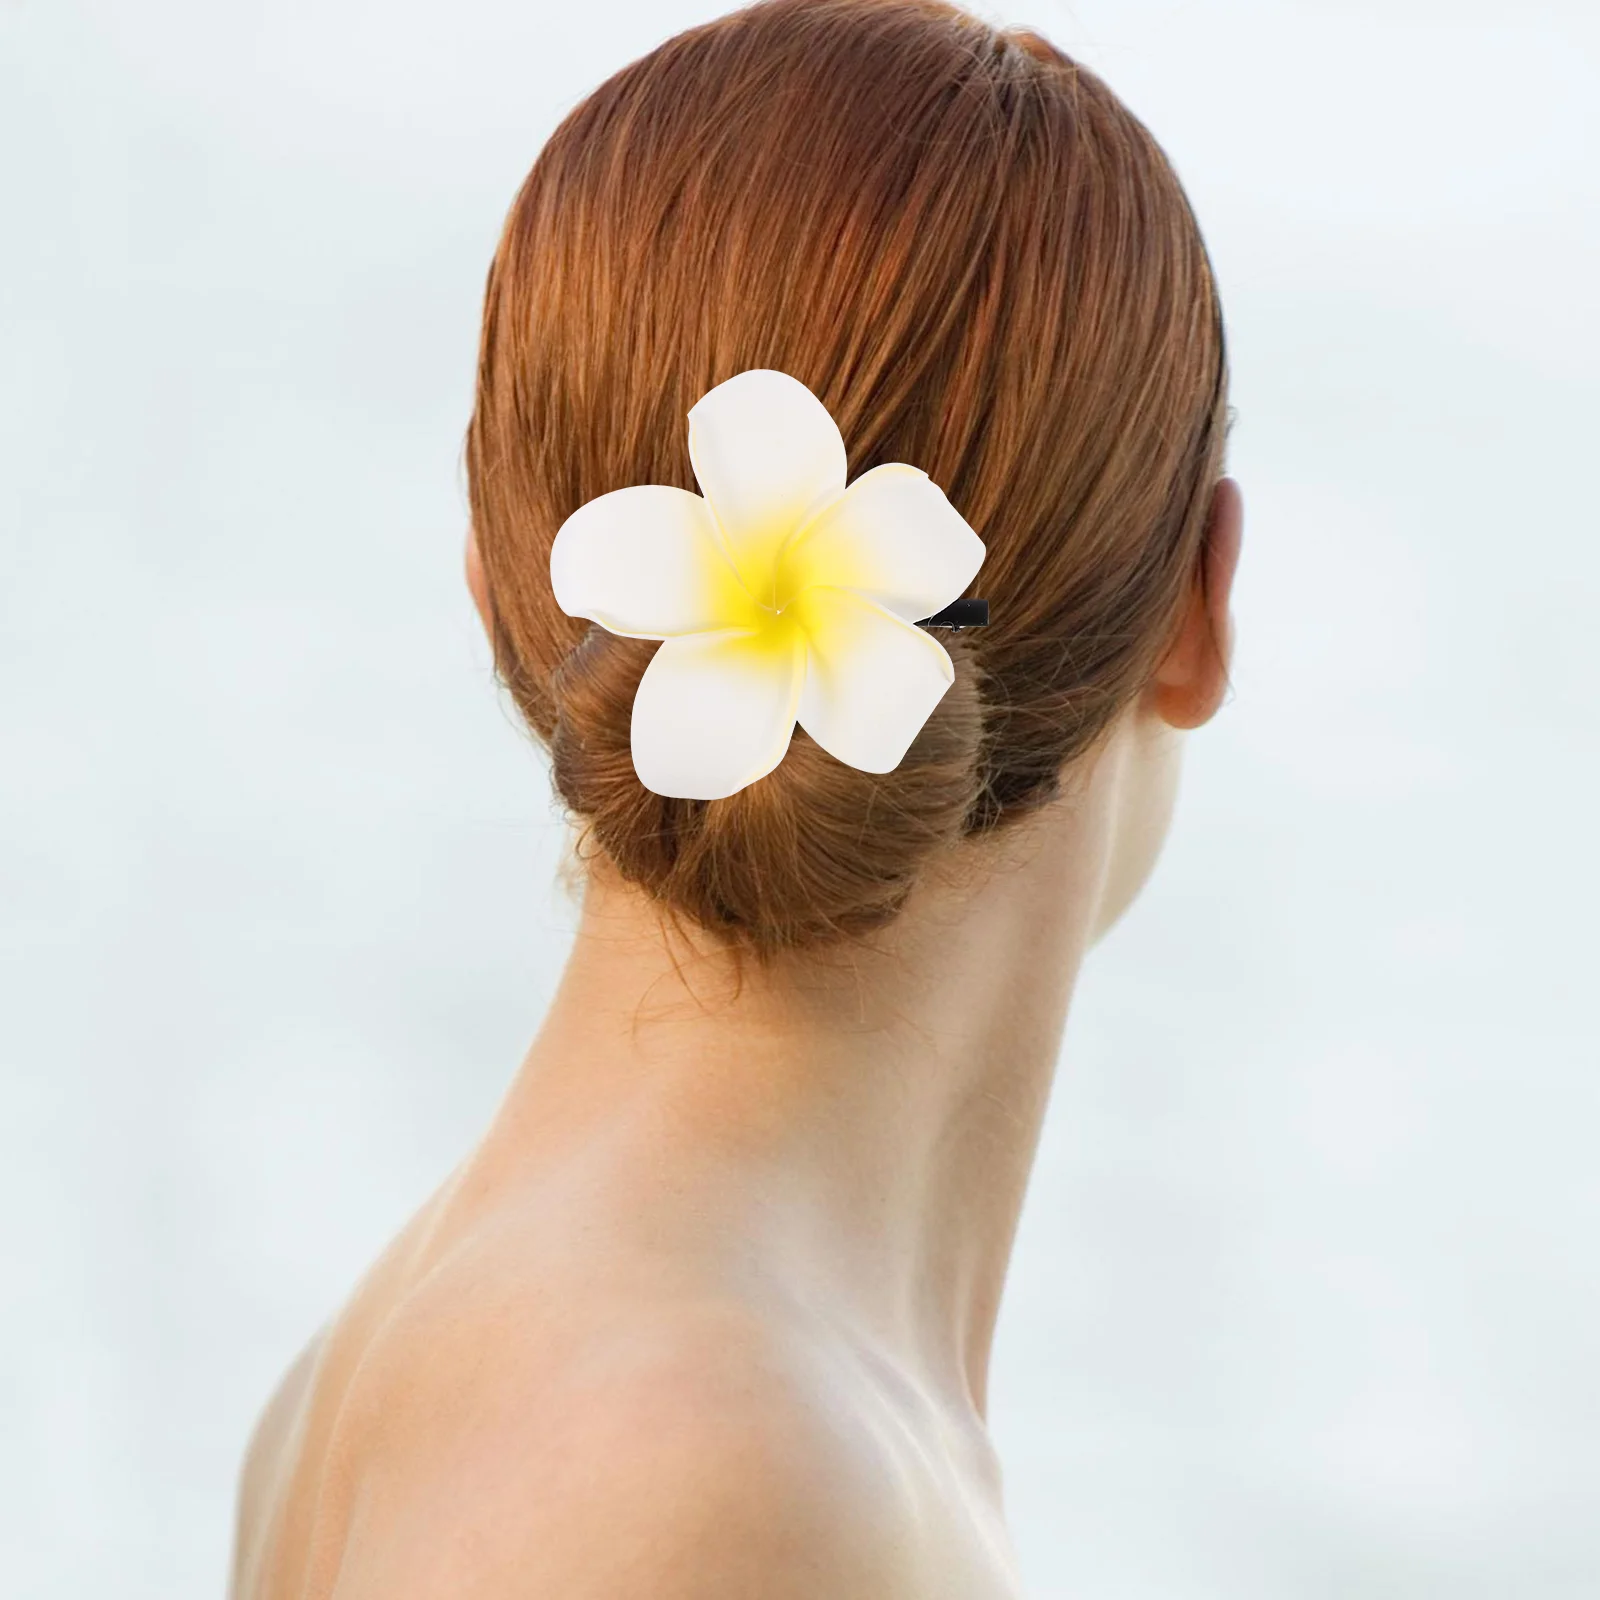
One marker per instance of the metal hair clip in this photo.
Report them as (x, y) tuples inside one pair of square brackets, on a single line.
[(959, 614)]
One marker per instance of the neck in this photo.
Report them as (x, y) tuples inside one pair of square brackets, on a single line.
[(860, 1124)]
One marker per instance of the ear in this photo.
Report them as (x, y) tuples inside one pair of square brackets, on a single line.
[(477, 584), (1192, 679)]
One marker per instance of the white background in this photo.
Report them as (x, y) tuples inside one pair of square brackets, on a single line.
[(1305, 1302)]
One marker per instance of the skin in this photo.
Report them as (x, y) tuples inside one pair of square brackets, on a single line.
[(709, 1309)]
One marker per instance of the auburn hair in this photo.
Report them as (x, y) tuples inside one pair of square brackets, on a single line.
[(983, 264)]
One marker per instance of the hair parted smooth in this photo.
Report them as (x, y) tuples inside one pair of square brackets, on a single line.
[(983, 265)]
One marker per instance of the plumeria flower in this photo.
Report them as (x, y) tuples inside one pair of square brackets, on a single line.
[(780, 596)]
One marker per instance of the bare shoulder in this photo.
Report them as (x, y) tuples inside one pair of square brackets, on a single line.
[(692, 1451)]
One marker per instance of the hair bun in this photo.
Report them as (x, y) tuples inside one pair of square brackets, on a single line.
[(814, 850)]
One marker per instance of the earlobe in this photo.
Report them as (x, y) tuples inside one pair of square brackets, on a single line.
[(1192, 679)]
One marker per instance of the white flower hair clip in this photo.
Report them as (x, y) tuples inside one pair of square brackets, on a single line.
[(781, 596)]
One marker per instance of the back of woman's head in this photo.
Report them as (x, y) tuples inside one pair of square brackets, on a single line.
[(983, 265)]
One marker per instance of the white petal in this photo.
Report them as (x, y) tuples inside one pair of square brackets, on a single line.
[(715, 711), (767, 456), (892, 535), (646, 562), (871, 679)]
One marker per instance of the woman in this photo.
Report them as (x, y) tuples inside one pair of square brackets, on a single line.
[(708, 1311)]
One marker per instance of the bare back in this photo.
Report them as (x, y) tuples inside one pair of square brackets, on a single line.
[(494, 1313)]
